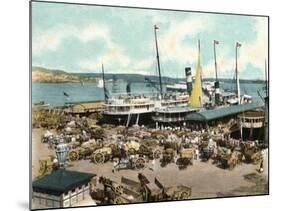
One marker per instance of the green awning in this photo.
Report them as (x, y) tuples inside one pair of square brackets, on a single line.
[(218, 113)]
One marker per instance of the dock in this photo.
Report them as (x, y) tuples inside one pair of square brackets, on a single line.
[(84, 107)]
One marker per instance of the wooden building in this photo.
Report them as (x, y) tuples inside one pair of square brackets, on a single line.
[(61, 188), (213, 117)]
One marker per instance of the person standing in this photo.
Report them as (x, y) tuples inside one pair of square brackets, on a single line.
[(114, 166), (261, 166), (261, 169), (152, 168)]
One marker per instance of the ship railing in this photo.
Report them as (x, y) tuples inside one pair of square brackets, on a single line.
[(167, 119)]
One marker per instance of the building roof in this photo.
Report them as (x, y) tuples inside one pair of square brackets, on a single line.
[(217, 113), (61, 181)]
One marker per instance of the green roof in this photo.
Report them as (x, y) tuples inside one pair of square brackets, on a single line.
[(61, 181), (217, 113)]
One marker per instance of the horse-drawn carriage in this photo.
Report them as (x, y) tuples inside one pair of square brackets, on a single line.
[(186, 157), (207, 149), (109, 193), (139, 190), (150, 150), (227, 158), (251, 152), (156, 191), (83, 151), (132, 162), (114, 150), (168, 156)]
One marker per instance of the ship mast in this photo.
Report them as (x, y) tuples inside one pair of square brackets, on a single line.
[(103, 80), (238, 45), (158, 62), (266, 84), (217, 85)]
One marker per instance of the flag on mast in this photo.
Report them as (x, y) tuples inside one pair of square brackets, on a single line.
[(238, 45), (216, 42), (65, 94)]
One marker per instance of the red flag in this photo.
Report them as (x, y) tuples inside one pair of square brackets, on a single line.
[(155, 27), (238, 44), (216, 42)]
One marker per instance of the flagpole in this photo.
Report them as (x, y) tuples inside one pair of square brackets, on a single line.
[(266, 84), (199, 55), (217, 86), (236, 71), (215, 60), (158, 62)]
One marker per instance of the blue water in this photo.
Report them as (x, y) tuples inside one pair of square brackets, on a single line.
[(52, 93)]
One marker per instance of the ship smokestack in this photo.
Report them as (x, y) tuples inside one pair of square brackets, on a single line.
[(188, 80), (128, 88)]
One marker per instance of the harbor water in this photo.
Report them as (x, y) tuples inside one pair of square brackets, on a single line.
[(57, 94)]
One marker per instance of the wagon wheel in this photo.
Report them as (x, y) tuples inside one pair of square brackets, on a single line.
[(99, 158), (119, 200), (140, 163), (142, 148), (73, 156), (131, 151), (156, 154), (118, 189), (184, 195)]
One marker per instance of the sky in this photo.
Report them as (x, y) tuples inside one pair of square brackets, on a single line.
[(79, 38)]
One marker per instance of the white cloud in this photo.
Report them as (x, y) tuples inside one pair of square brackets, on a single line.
[(255, 52), (172, 41), (113, 54), (50, 40), (225, 67), (252, 53), (94, 32), (172, 36), (112, 57), (143, 64)]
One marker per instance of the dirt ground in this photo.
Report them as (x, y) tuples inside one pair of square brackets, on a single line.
[(205, 179)]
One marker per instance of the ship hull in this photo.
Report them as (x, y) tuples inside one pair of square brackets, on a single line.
[(122, 119)]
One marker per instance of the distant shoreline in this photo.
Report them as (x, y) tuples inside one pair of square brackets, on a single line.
[(44, 75)]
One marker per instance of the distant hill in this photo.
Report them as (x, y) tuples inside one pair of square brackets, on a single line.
[(44, 75)]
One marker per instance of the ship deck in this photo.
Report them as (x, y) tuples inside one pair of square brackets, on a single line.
[(175, 109)]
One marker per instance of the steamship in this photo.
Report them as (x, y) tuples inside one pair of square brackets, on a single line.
[(170, 108), (201, 96), (175, 115)]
